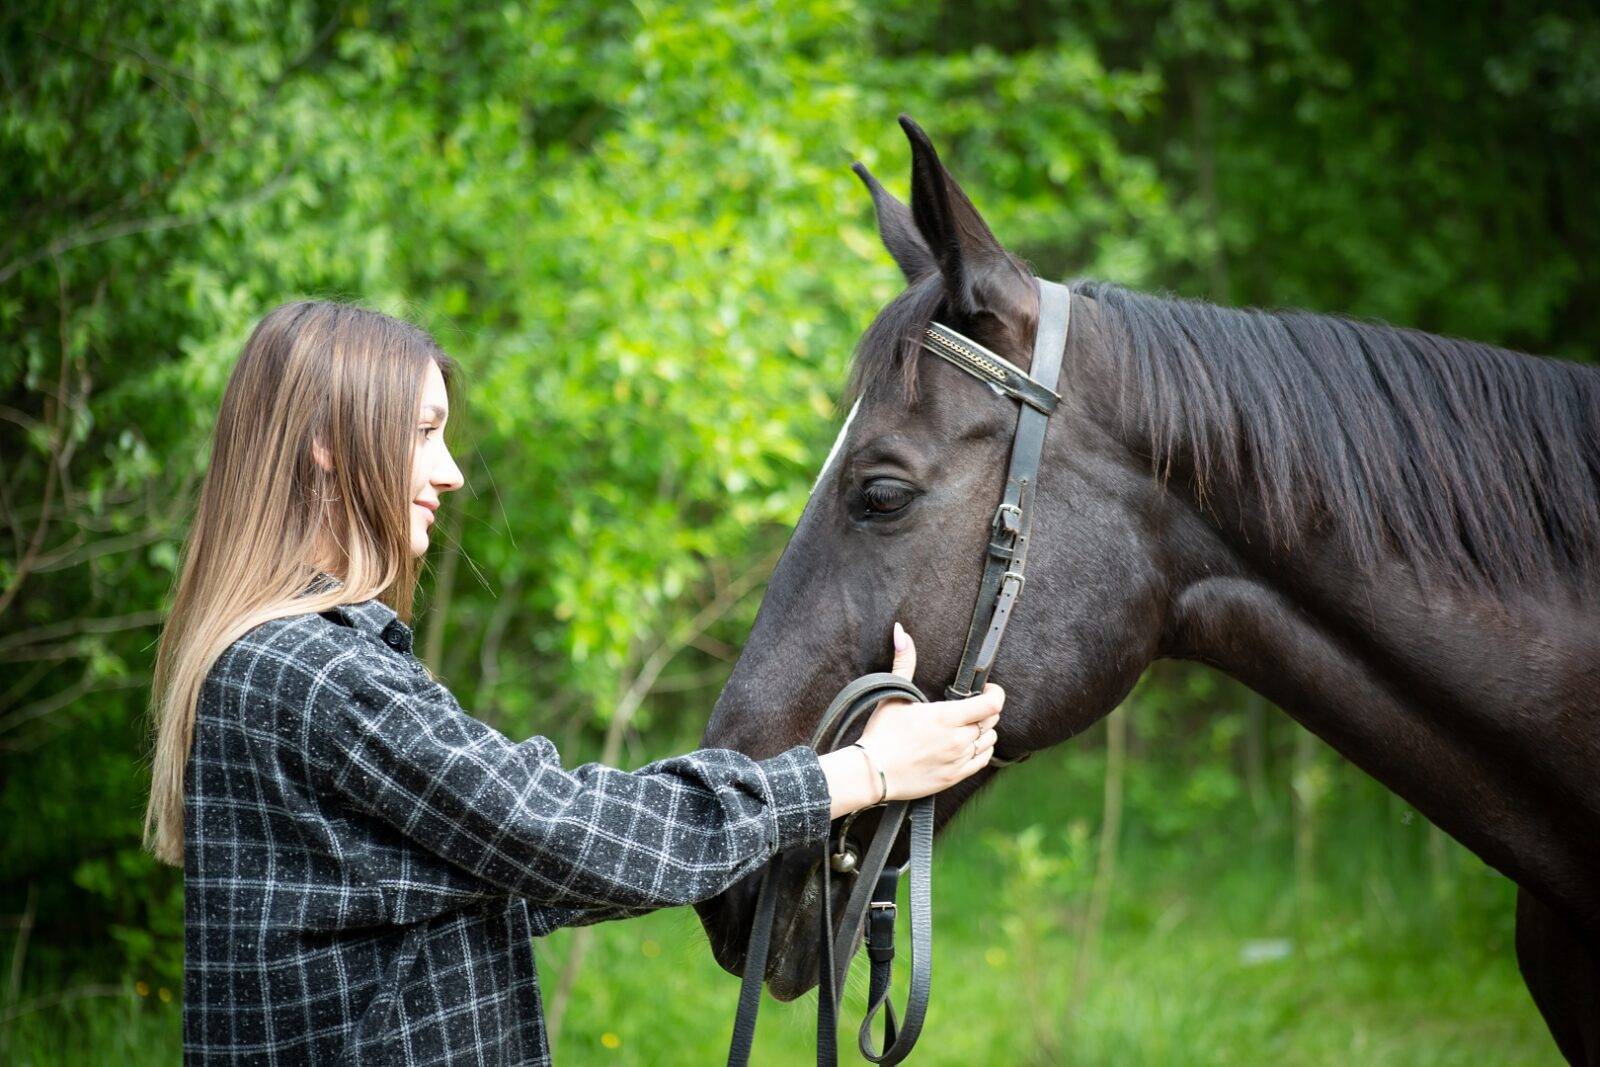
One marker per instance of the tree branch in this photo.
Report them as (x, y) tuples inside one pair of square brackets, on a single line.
[(633, 697), (56, 701), (66, 996), (84, 237), (58, 421)]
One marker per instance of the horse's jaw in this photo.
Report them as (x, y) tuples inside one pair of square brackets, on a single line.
[(791, 970)]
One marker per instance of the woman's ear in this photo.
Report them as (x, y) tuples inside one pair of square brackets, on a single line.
[(979, 275)]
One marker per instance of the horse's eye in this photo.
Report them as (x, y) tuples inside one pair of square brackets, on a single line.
[(885, 496)]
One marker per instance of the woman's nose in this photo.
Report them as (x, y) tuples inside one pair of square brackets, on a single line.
[(448, 476)]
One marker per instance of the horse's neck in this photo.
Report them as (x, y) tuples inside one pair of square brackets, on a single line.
[(1480, 710)]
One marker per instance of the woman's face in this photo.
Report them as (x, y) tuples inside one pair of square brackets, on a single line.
[(433, 471)]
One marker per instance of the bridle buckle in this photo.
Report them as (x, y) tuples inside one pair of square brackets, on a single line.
[(880, 931), (1007, 519)]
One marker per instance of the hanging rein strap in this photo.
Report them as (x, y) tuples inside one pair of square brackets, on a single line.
[(855, 700)]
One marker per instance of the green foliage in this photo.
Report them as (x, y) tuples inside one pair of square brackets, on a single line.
[(635, 228)]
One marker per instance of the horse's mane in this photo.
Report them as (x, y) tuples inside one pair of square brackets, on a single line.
[(1471, 462)]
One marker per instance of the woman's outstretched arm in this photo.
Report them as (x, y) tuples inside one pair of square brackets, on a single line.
[(397, 745)]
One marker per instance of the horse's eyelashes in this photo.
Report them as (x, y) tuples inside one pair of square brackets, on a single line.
[(886, 495)]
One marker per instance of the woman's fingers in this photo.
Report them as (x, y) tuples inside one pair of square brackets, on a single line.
[(905, 661), (905, 654), (969, 744), (924, 749), (975, 709)]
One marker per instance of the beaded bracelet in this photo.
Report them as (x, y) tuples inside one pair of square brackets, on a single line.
[(873, 767)]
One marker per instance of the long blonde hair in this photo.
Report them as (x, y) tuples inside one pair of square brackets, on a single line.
[(313, 372)]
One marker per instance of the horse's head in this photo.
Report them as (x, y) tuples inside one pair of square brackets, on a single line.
[(897, 524)]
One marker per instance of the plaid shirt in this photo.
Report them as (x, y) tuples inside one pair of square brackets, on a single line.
[(365, 865)]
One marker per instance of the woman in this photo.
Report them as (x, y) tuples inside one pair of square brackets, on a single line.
[(365, 865)]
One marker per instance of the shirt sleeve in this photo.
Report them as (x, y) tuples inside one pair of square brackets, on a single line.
[(547, 920), (614, 842)]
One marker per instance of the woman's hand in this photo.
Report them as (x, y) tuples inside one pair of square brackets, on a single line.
[(919, 748)]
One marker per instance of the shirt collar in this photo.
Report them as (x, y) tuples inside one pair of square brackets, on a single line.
[(371, 617)]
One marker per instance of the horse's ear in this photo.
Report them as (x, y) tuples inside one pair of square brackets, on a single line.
[(897, 229), (978, 274)]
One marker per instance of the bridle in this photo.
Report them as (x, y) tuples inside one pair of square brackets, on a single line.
[(872, 897)]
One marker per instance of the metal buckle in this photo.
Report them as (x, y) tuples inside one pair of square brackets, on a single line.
[(880, 931), (1022, 580), (999, 521)]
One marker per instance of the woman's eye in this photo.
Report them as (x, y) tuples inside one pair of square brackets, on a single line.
[(425, 431), (884, 496)]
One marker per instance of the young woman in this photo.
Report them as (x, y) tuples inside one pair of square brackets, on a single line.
[(365, 864)]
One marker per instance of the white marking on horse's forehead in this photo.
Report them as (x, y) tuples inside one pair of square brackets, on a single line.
[(838, 444)]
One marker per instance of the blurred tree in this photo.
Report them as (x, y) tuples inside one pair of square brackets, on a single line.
[(635, 227)]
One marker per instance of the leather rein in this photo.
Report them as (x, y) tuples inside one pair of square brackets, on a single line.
[(872, 896)]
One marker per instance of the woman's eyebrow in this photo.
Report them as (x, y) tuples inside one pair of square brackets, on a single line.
[(434, 411)]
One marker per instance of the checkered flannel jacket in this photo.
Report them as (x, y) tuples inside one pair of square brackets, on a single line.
[(365, 865)]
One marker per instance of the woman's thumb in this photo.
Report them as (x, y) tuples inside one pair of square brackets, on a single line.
[(905, 654)]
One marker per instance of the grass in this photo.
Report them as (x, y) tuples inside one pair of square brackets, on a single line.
[(1212, 950)]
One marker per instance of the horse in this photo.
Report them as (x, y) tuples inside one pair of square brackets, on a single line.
[(1391, 535)]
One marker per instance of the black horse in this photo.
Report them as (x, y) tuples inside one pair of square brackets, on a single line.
[(1393, 536)]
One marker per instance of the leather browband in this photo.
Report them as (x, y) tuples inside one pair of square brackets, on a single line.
[(989, 367)]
